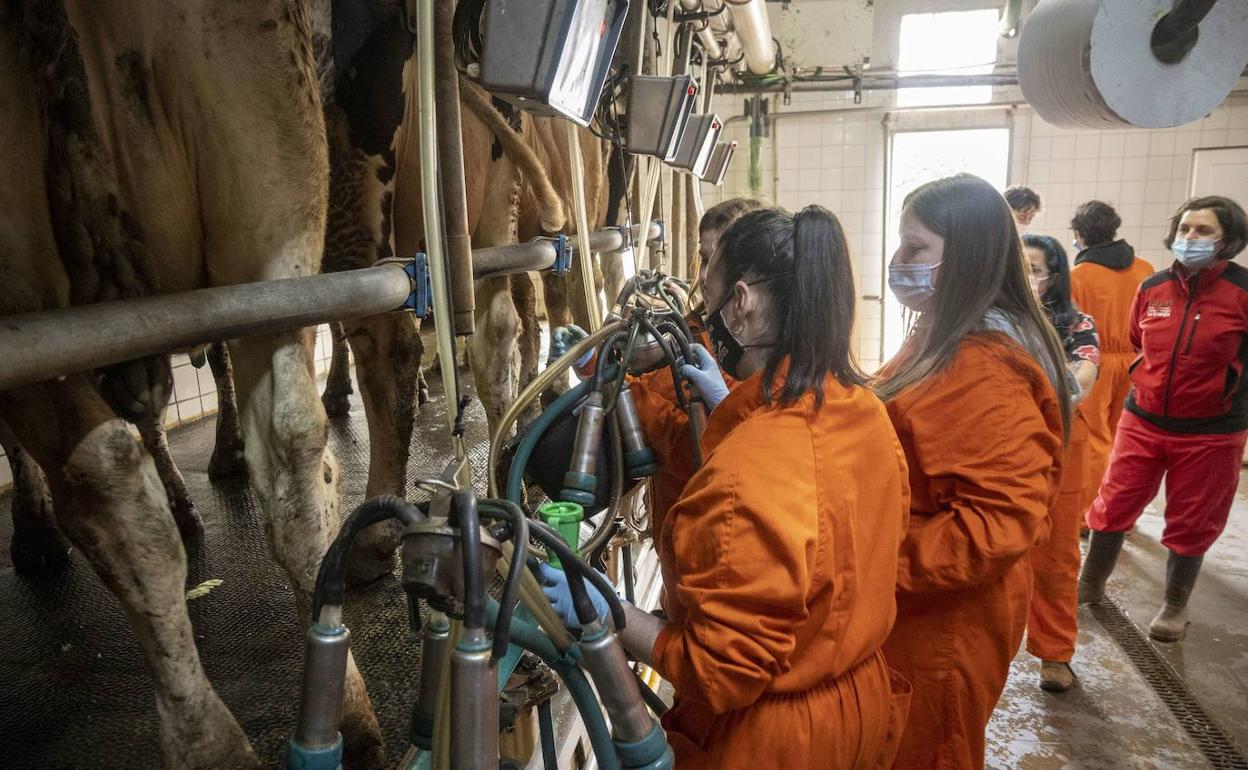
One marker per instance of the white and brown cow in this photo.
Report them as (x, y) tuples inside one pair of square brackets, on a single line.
[(154, 146)]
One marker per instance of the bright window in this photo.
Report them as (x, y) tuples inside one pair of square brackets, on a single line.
[(950, 43), (919, 157)]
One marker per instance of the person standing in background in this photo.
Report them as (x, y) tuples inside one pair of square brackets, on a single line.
[(1024, 204), (1103, 283), (1186, 417), (1053, 623)]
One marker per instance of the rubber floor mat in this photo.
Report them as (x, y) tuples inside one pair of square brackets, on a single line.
[(75, 692)]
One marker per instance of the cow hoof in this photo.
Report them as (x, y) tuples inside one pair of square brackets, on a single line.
[(422, 395), (362, 747), (39, 551), (202, 734), (336, 404), (190, 524), (226, 463)]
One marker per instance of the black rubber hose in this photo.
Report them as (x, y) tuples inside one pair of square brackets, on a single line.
[(575, 567), (629, 589), (651, 697), (464, 503), (511, 587), (683, 340), (546, 722), (331, 586), (595, 378), (671, 359)]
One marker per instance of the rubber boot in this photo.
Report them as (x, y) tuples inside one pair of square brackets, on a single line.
[(1170, 624), (1103, 548)]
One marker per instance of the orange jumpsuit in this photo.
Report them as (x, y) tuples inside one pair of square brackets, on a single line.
[(656, 392), (779, 562), (1053, 623), (1106, 295), (983, 441)]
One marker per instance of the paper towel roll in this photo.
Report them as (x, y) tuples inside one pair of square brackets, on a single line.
[(1090, 63)]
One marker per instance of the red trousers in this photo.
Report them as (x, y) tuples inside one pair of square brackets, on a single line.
[(1052, 620), (1201, 472)]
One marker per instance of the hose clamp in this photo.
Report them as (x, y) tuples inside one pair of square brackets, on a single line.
[(563, 255), (420, 301)]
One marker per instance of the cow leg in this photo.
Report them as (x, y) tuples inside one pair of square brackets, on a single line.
[(524, 297), (227, 455), (387, 351), (152, 430), (111, 504), (337, 395), (295, 475), (38, 545), (492, 349)]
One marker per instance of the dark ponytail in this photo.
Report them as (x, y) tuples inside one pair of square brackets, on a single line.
[(804, 261)]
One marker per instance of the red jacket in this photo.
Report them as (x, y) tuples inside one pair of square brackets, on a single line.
[(1192, 336)]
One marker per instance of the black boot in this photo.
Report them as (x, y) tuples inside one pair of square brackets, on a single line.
[(1103, 548), (1170, 624)]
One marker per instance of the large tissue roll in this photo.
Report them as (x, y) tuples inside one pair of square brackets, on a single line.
[(1090, 63)]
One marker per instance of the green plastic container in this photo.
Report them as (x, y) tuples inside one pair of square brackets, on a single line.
[(565, 518)]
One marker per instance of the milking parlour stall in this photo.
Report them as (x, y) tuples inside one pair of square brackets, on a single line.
[(333, 335)]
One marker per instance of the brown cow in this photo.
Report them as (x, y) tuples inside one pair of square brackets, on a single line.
[(163, 146)]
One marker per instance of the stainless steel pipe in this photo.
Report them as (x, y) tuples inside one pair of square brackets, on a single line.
[(53, 343)]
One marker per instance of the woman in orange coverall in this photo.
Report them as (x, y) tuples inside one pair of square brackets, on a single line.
[(1053, 623), (780, 558), (979, 397), (676, 457)]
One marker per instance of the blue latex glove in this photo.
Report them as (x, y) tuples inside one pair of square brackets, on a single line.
[(555, 586), (563, 338), (705, 377)]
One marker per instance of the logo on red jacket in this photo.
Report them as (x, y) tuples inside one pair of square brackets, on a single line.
[(1158, 309)]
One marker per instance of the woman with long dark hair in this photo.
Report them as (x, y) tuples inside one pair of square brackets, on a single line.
[(1052, 624), (979, 397), (779, 559)]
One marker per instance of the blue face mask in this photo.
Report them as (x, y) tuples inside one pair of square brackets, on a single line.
[(1194, 255), (913, 285)]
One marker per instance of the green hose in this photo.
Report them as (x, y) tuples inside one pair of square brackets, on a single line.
[(530, 638)]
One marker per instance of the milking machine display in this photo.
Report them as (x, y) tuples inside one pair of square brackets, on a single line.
[(584, 452)]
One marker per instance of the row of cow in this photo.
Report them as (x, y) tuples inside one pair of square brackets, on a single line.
[(152, 146)]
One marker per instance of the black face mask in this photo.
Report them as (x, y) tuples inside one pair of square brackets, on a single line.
[(728, 349)]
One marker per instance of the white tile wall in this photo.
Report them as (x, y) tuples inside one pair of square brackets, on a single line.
[(838, 162), (195, 393)]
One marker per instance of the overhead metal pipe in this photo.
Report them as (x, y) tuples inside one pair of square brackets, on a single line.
[(753, 29), (710, 46), (871, 83), (451, 164)]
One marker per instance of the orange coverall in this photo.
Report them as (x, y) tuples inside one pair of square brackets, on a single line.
[(673, 448), (983, 441), (1053, 622), (779, 563), (1106, 295)]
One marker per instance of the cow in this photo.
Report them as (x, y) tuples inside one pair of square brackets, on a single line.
[(154, 146)]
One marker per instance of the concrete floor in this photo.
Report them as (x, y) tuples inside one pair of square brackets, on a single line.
[(1113, 718)]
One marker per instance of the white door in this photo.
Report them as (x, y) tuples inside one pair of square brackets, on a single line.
[(1222, 171)]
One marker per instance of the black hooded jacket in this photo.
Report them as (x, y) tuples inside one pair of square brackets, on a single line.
[(1116, 256)]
